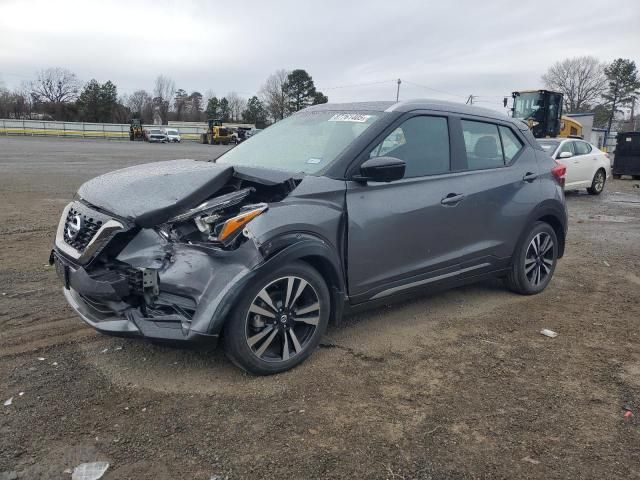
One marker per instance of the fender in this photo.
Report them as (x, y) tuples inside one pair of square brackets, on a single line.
[(549, 208), (281, 251)]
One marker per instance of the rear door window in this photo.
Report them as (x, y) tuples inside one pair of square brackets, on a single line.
[(483, 145), (511, 144), (582, 148)]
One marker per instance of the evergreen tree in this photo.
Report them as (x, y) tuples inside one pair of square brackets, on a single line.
[(88, 102), (255, 111), (213, 108), (623, 86), (319, 98), (180, 103), (300, 90), (225, 112)]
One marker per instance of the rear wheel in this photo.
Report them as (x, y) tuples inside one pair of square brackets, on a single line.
[(279, 321), (597, 184), (617, 177), (534, 261)]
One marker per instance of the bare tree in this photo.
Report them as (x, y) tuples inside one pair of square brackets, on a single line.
[(582, 80), (137, 100), (16, 103), (162, 96), (273, 95), (55, 85), (236, 105)]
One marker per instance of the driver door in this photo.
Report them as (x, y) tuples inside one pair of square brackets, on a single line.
[(402, 231)]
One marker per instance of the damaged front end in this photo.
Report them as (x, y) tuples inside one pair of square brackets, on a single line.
[(155, 250)]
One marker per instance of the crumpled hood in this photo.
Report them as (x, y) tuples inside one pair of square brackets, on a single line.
[(152, 193)]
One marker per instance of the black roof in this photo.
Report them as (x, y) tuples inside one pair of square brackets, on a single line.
[(415, 104)]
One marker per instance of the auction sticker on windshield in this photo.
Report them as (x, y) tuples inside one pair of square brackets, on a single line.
[(349, 117)]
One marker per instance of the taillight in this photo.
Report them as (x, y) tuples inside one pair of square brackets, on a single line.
[(559, 172)]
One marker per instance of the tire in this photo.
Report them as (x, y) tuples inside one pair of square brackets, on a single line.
[(597, 184), (617, 177), (526, 264), (636, 177), (264, 345)]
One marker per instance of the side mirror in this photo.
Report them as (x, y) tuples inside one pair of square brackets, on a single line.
[(381, 169), (565, 155)]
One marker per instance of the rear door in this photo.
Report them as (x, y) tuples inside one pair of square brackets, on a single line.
[(586, 161), (501, 186)]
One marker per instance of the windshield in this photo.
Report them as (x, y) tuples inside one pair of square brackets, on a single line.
[(172, 132), (549, 146), (156, 132), (306, 142), (528, 106)]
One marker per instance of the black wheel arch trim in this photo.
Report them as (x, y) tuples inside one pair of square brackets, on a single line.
[(284, 250), (554, 213)]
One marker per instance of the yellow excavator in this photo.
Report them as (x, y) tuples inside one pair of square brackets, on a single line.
[(216, 134), (542, 111)]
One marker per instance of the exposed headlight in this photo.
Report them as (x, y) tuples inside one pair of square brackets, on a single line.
[(213, 205)]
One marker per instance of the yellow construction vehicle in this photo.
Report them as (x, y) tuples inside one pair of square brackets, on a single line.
[(216, 134), (135, 129), (570, 127), (542, 111)]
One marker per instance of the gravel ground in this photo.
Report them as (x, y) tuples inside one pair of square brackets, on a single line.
[(450, 386)]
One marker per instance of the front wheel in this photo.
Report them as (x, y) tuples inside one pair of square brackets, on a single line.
[(534, 261), (279, 321), (597, 184)]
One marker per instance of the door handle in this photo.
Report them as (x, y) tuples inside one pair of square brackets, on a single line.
[(530, 177), (452, 199)]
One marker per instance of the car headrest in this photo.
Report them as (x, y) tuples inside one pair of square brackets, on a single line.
[(486, 147)]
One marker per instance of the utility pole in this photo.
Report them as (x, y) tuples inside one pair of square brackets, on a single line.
[(398, 90), (469, 100), (633, 118)]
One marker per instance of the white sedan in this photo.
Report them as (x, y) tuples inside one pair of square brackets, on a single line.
[(587, 166)]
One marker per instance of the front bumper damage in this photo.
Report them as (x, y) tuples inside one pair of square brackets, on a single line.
[(154, 288)]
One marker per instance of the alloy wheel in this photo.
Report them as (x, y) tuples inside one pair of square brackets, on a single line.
[(539, 259), (282, 319), (598, 182)]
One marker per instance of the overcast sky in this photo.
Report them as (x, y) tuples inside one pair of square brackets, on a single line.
[(353, 49)]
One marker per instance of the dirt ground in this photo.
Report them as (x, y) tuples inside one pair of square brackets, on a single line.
[(449, 386)]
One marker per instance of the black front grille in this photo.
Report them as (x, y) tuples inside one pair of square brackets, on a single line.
[(89, 226)]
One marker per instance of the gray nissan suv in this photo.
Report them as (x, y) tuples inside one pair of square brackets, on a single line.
[(338, 207)]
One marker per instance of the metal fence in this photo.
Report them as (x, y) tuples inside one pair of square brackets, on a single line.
[(114, 131)]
